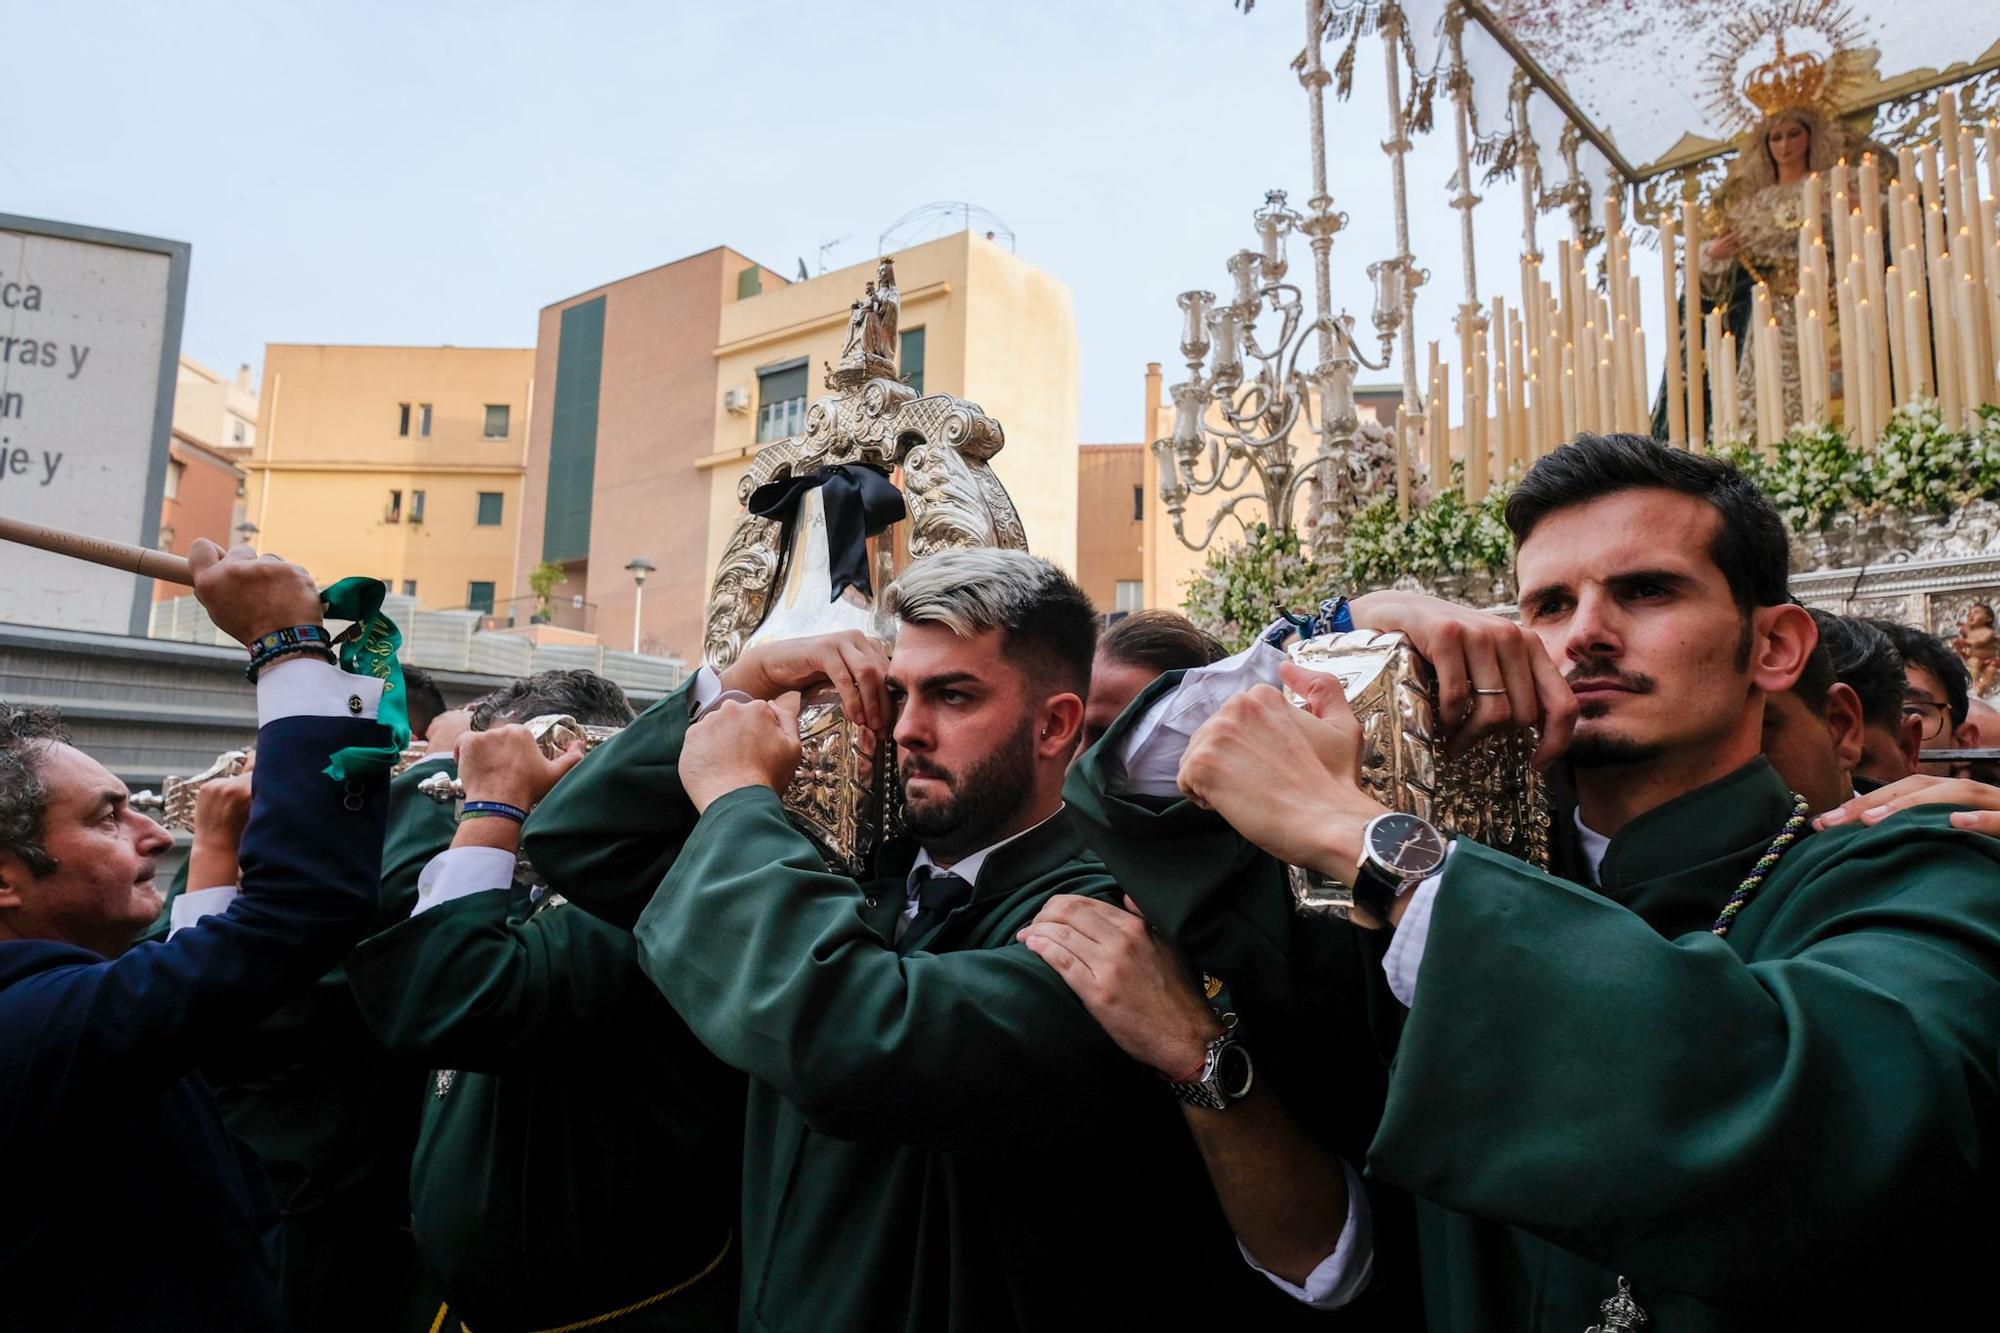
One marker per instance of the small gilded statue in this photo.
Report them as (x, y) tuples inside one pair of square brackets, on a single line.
[(1979, 648), (871, 324)]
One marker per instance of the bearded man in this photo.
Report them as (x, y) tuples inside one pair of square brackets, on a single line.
[(938, 1135), (1733, 1072)]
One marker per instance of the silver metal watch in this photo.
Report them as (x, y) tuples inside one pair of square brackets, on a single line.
[(1226, 1074)]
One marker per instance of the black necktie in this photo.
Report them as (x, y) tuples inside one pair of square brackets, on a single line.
[(937, 895)]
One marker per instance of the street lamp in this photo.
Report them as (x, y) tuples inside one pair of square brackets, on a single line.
[(639, 568), (246, 533)]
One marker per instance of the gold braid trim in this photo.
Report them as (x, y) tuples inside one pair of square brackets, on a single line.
[(621, 1312)]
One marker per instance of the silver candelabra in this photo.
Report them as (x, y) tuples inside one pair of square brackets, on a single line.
[(1245, 397)]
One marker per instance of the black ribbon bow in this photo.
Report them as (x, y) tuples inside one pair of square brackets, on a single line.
[(860, 502)]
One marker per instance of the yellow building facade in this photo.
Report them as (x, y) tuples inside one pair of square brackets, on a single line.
[(398, 463)]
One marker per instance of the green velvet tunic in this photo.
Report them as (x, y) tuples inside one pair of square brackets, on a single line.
[(580, 1154), (1789, 1127), (939, 1139)]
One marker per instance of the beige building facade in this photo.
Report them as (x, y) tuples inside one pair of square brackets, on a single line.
[(398, 463), (1111, 504), (659, 388)]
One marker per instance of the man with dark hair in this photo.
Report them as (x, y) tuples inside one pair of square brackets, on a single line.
[(423, 699), (1815, 733), (567, 1099), (912, 1067), (1936, 690), (128, 1203), (1728, 1071), (1863, 658), (584, 695), (1135, 652)]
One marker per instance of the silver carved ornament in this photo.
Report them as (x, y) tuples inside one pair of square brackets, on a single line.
[(937, 449), (1491, 794), (553, 733)]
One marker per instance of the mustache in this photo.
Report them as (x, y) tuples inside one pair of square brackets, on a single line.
[(922, 768), (1600, 669)]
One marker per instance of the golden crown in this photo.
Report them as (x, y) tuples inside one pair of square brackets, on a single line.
[(1788, 79)]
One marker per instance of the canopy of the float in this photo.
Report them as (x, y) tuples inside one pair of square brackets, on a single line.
[(1640, 80)]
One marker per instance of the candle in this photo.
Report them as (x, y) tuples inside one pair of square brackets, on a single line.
[(1760, 355), (1868, 416), (1944, 326), (1917, 336), (1569, 395), (1676, 404), (1899, 347), (1971, 375), (1604, 375), (1503, 423), (1731, 426), (1402, 463), (1697, 406), (1521, 450), (1437, 423), (1802, 323), (1468, 386), (1476, 478)]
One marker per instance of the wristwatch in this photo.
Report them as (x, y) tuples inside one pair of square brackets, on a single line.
[(1398, 852), (1225, 1077)]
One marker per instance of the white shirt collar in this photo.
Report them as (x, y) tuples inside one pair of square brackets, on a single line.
[(966, 867), (1595, 844)]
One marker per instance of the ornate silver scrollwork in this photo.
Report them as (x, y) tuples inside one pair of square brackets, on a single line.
[(844, 796)]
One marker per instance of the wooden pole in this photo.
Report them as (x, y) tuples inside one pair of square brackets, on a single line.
[(141, 560)]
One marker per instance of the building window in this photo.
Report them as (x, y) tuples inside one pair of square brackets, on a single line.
[(416, 506), (1131, 595), (236, 432), (781, 400), (167, 537), (409, 587), (479, 597), (749, 282), (174, 470), (402, 418), (424, 420), (1138, 504), (394, 513), (496, 421), (490, 506), (573, 433), (911, 359)]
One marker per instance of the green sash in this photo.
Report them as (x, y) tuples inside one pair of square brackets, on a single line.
[(369, 649)]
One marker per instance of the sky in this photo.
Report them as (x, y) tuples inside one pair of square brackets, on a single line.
[(436, 172)]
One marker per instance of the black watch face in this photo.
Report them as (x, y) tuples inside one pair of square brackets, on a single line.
[(1408, 846)]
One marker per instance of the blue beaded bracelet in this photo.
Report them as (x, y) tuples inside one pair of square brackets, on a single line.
[(294, 634), (267, 656), (492, 809)]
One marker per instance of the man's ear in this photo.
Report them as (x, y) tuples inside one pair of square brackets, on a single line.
[(1059, 727), (14, 876), (1966, 736), (1784, 637), (1843, 719), (1910, 740)]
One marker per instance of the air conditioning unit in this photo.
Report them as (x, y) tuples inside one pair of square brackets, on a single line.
[(736, 400)]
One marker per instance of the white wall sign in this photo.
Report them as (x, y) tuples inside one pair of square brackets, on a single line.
[(90, 333)]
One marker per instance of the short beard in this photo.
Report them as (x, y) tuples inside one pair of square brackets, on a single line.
[(983, 802), (1611, 752)]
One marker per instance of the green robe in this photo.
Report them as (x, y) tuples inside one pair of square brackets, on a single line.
[(942, 1139), (1784, 1128), (580, 1155), (333, 1117)]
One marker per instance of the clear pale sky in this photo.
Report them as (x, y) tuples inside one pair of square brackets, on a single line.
[(436, 172)]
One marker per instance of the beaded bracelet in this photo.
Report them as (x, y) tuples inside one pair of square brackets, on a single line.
[(278, 638), (492, 810), (264, 659)]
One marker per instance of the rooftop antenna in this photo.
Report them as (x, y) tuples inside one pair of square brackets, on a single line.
[(826, 248)]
